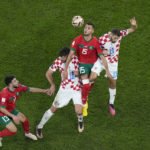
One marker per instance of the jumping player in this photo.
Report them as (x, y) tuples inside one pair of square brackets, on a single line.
[(88, 51), (70, 88), (8, 111), (110, 44)]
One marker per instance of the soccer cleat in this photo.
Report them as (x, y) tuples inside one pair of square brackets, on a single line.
[(31, 136), (111, 109), (80, 127), (39, 133), (1, 141), (84, 111)]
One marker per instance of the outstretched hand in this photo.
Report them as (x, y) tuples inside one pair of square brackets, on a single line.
[(133, 21)]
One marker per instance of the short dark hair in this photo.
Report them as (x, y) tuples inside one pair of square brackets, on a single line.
[(64, 51), (116, 31), (89, 23), (8, 79)]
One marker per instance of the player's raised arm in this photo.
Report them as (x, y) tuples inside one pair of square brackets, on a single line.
[(71, 53), (133, 25)]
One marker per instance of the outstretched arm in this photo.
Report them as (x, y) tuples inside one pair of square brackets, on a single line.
[(37, 90), (133, 25)]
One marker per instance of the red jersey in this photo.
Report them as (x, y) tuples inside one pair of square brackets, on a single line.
[(8, 98), (87, 51)]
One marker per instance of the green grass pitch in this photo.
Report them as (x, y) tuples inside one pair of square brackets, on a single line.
[(31, 34)]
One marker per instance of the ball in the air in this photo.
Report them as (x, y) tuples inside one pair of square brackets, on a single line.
[(77, 21)]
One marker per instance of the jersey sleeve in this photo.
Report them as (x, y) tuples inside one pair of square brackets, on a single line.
[(74, 44), (75, 61), (124, 33), (55, 65), (23, 88), (3, 100), (98, 48)]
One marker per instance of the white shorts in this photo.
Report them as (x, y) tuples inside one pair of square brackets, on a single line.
[(64, 96), (98, 67)]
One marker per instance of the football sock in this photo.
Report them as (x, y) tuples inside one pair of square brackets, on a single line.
[(47, 115), (91, 86), (80, 118), (6, 132), (85, 90), (26, 126), (112, 93)]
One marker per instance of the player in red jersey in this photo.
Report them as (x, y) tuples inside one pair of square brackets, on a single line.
[(8, 111), (110, 43), (88, 51)]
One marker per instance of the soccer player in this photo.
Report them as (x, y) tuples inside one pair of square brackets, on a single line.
[(8, 111), (110, 44), (70, 88), (88, 50)]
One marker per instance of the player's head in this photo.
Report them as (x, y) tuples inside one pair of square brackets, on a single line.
[(115, 35), (11, 81), (88, 29), (64, 52)]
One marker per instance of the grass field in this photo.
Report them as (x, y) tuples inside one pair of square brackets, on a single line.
[(31, 35)]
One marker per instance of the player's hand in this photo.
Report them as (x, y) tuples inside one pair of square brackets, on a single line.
[(133, 21), (51, 90), (109, 75), (105, 52), (16, 120)]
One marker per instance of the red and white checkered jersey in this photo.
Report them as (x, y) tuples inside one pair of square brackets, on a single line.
[(72, 81), (112, 48)]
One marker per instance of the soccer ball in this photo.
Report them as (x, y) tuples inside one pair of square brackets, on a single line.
[(77, 21)]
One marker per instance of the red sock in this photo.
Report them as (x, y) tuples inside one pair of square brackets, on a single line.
[(26, 126), (91, 86), (6, 132), (85, 91)]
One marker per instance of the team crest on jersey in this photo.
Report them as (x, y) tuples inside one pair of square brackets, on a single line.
[(111, 51), (3, 100)]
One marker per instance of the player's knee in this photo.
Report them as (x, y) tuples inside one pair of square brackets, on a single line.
[(13, 129), (53, 109), (78, 110)]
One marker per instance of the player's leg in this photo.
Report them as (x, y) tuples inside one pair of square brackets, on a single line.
[(78, 109), (112, 87), (112, 92), (85, 70), (62, 99), (95, 71), (47, 116), (25, 125), (9, 130)]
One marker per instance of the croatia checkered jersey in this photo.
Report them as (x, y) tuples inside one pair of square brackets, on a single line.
[(8, 98), (112, 48), (72, 81), (87, 51)]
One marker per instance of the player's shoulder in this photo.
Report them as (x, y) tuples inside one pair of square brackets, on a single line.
[(104, 38), (57, 61), (4, 92), (79, 37), (74, 57)]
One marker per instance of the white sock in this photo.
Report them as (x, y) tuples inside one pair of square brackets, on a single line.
[(112, 93), (80, 118), (47, 115)]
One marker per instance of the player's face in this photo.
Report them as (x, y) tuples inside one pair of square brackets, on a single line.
[(88, 30), (15, 83), (114, 38), (64, 58)]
